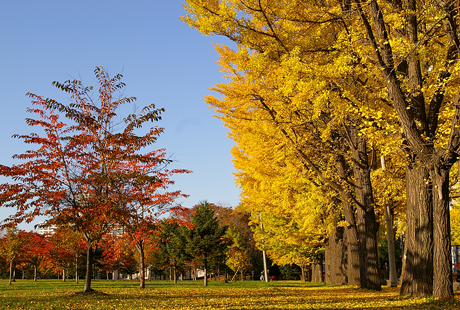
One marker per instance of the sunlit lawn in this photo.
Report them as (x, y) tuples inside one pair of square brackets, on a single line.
[(53, 294)]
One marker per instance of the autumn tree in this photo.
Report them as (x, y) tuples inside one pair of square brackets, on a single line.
[(117, 254), (273, 82), (238, 219), (238, 258), (10, 246), (61, 251), (35, 250), (75, 174), (404, 55), (143, 197)]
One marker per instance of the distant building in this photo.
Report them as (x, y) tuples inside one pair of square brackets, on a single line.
[(46, 229)]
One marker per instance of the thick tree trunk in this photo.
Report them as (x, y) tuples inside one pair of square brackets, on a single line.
[(317, 272), (417, 274), (63, 274), (335, 258), (442, 265), (309, 273), (351, 232), (367, 225), (89, 268), (205, 274)]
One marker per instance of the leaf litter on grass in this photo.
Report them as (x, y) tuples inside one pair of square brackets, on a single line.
[(188, 295)]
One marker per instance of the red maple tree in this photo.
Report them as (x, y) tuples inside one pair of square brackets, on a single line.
[(84, 165)]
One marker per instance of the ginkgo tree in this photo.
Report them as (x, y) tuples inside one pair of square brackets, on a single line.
[(84, 158), (278, 88), (376, 61)]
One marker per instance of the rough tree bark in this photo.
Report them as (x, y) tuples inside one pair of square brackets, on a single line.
[(417, 273), (367, 225), (442, 281), (351, 232), (335, 258)]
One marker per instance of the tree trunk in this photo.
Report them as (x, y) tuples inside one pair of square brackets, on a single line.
[(11, 272), (302, 269), (76, 268), (391, 246), (264, 257), (317, 272), (351, 231), (175, 275), (63, 274), (367, 225), (335, 258), (89, 267), (35, 273), (417, 274), (442, 265), (205, 273), (308, 273), (140, 248), (390, 237)]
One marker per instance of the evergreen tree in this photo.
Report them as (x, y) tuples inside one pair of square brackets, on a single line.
[(173, 244), (205, 242)]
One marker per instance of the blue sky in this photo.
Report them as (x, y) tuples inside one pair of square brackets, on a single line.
[(163, 61)]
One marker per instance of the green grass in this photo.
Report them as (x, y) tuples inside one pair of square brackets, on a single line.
[(54, 294)]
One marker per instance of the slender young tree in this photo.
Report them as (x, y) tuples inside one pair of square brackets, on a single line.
[(143, 197), (10, 247)]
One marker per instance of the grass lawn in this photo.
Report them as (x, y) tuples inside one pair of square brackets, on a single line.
[(54, 294)]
